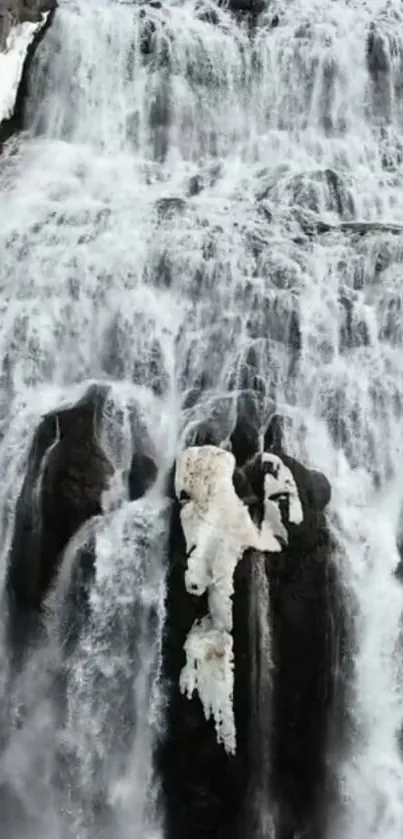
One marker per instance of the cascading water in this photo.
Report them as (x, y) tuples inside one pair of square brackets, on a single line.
[(178, 222)]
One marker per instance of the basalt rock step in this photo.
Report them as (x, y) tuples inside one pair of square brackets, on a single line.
[(13, 13), (312, 226), (21, 11), (296, 685), (66, 475)]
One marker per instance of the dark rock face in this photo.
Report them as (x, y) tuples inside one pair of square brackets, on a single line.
[(66, 475), (19, 11), (142, 475), (308, 634), (13, 12), (379, 69), (245, 436), (201, 783), (284, 753), (304, 606), (249, 7)]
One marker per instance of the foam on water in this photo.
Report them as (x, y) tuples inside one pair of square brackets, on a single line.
[(161, 227)]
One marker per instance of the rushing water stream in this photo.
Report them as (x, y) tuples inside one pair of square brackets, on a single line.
[(160, 230)]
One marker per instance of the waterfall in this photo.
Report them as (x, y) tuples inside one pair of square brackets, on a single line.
[(200, 205)]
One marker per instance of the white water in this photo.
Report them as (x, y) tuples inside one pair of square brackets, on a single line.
[(99, 282)]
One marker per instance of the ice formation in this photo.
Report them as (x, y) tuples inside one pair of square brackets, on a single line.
[(218, 529), (12, 63), (209, 670), (279, 481)]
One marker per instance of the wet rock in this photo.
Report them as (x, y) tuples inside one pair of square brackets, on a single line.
[(142, 475), (274, 434), (353, 332), (160, 114), (311, 225), (398, 571), (323, 189), (313, 487), (319, 490), (66, 475), (204, 179), (75, 609), (202, 786), (163, 271), (347, 425), (195, 185), (391, 321), (243, 8), (147, 37), (148, 368), (376, 53), (27, 10), (379, 69), (308, 631), (5, 26), (248, 7), (272, 319), (245, 436), (295, 341), (12, 13), (210, 422), (207, 792), (207, 13), (167, 207), (363, 227)]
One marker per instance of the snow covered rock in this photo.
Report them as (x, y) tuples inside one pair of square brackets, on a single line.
[(253, 600), (218, 529)]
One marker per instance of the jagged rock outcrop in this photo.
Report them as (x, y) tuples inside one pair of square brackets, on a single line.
[(66, 475), (21, 11), (245, 7), (23, 24), (142, 475), (379, 65), (277, 653), (309, 630)]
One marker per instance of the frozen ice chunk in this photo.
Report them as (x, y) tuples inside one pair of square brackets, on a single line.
[(280, 481), (218, 529), (209, 670)]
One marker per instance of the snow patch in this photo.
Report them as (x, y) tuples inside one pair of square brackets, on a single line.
[(218, 529), (12, 63)]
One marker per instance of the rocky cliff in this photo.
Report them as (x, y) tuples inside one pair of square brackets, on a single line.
[(22, 26)]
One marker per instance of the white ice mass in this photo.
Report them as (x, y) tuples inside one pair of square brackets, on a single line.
[(12, 63), (218, 529), (279, 481)]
